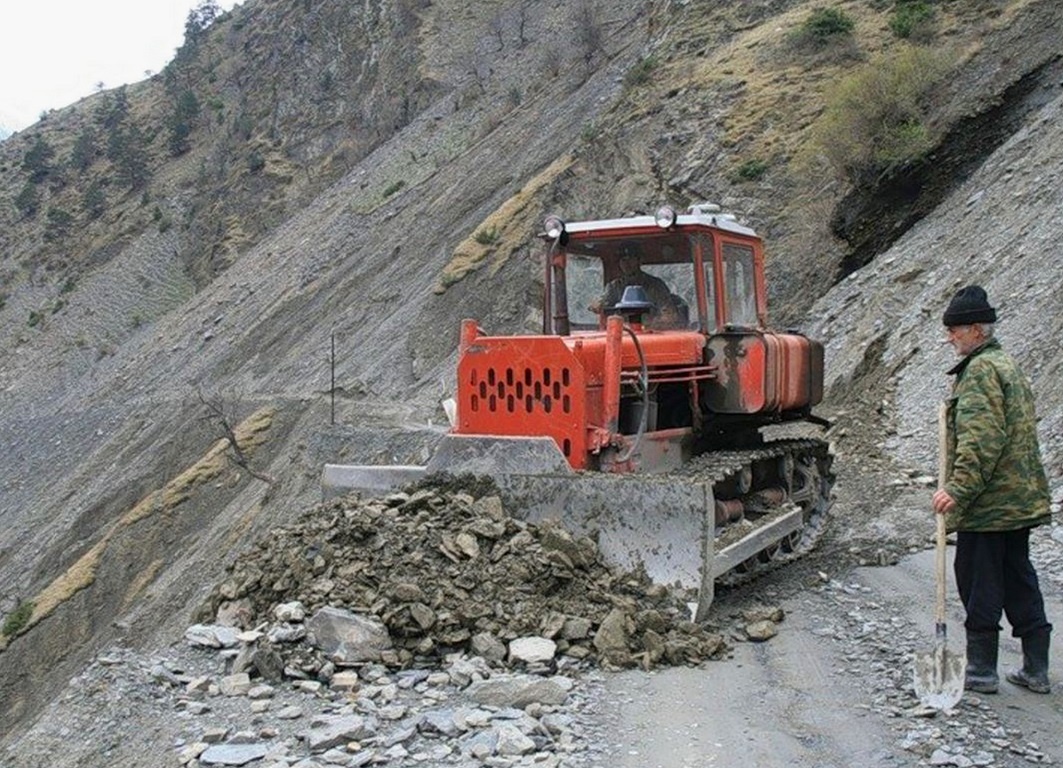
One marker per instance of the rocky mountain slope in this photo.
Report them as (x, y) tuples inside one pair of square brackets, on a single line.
[(369, 175)]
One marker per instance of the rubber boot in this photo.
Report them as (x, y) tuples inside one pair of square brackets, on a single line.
[(1034, 672), (981, 674)]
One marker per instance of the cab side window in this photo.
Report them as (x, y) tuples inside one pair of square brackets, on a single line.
[(739, 286)]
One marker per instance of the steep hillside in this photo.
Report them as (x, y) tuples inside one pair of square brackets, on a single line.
[(319, 171), (885, 341)]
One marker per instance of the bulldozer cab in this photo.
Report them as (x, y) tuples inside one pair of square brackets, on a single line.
[(703, 273)]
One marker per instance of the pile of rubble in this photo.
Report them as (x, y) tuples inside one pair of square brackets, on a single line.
[(444, 570)]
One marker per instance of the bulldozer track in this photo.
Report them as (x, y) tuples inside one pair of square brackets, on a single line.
[(813, 458)]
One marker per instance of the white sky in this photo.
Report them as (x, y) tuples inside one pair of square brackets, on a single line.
[(54, 52)]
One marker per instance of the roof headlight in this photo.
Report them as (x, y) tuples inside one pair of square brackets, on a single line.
[(665, 217), (554, 227)]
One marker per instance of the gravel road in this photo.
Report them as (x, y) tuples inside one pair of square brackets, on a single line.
[(834, 688)]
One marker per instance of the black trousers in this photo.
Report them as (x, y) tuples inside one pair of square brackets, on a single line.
[(994, 575)]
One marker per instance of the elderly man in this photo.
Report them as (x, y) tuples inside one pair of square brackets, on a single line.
[(995, 493)]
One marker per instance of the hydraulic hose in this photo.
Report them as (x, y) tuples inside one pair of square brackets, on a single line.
[(644, 382)]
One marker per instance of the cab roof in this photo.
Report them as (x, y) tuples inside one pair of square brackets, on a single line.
[(699, 215)]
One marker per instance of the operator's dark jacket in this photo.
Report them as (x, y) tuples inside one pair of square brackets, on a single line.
[(995, 472)]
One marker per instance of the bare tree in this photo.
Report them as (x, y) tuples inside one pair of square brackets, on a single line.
[(221, 417)]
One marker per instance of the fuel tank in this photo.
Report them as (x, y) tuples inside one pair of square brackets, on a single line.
[(764, 372)]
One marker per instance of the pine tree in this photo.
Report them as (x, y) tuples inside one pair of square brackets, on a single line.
[(38, 160)]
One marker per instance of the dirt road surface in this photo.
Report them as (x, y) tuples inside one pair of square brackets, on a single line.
[(833, 688)]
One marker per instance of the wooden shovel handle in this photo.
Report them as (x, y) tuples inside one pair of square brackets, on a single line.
[(940, 519)]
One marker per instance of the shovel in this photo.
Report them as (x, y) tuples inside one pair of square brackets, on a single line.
[(939, 673)]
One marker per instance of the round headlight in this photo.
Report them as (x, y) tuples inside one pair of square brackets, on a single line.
[(554, 227), (665, 216)]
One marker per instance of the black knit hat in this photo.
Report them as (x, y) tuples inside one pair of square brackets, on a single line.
[(969, 306)]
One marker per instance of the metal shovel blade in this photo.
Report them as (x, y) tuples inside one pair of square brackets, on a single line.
[(939, 677)]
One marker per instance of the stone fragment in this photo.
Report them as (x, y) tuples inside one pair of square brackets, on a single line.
[(520, 690), (557, 722), (576, 628), (161, 674), (347, 638), (250, 636), (242, 660), (480, 745), (235, 685), (400, 736), (439, 722), (466, 544), (236, 613), (423, 615), (464, 671), (290, 612), (944, 757), (532, 649), (286, 633), (408, 678), (214, 735), (328, 731), (396, 752), (487, 645), (611, 639), (405, 592), (191, 752), (198, 684), (233, 754), (268, 663), (771, 613), (336, 756), (260, 691), (513, 743), (392, 712), (211, 636), (654, 647), (344, 681), (759, 631)]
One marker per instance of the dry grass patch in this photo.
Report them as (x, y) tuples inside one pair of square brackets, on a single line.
[(78, 576), (141, 582), (503, 232), (250, 433)]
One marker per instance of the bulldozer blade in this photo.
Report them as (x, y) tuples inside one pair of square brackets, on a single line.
[(667, 527), (939, 675), (663, 524), (338, 479)]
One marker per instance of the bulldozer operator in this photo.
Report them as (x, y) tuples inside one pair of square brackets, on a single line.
[(667, 312)]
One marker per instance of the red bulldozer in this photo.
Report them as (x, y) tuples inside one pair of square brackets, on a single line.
[(644, 412)]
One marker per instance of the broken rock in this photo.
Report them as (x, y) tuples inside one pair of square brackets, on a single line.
[(531, 650), (347, 638), (520, 690)]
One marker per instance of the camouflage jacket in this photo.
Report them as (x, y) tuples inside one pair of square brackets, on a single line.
[(995, 473)]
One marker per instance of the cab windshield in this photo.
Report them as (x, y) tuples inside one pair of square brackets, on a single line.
[(599, 270)]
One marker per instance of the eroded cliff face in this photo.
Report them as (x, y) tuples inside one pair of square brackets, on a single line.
[(342, 162), (347, 152), (885, 340)]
